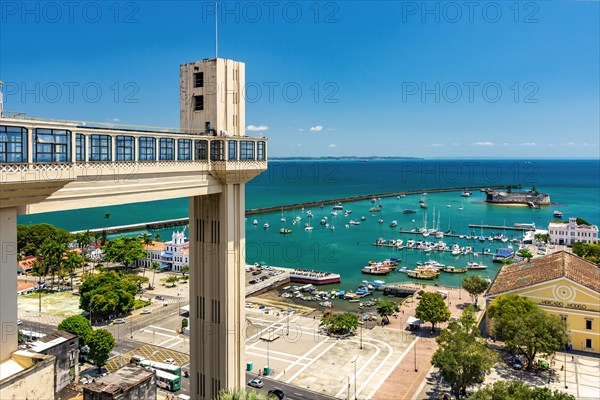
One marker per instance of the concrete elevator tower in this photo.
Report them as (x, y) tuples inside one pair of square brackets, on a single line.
[(211, 101)]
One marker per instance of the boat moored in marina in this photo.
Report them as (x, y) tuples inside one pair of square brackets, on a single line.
[(314, 277)]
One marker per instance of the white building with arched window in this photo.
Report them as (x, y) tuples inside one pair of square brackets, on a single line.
[(569, 233)]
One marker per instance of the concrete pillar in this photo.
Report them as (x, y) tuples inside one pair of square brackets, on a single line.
[(8, 281), (217, 289)]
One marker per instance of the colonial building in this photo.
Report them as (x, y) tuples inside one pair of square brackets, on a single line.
[(562, 284), (568, 233), (171, 255)]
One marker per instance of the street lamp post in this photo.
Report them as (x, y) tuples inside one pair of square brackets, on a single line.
[(416, 340)]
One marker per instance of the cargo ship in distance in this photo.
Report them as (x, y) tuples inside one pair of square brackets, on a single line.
[(314, 277)]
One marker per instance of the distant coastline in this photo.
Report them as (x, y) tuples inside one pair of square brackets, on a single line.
[(343, 158)]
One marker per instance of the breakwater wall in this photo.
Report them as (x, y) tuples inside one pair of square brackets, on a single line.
[(184, 221)]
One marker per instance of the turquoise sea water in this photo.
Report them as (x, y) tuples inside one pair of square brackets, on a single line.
[(574, 187)]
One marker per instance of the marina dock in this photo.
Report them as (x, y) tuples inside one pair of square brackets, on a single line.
[(500, 227)]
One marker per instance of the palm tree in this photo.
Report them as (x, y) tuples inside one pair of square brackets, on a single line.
[(72, 261), (106, 217), (83, 241), (154, 266), (147, 241), (52, 253)]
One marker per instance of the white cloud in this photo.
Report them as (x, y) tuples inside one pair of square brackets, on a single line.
[(333, 145), (259, 128), (298, 144), (115, 120), (484, 143), (436, 144), (317, 128), (529, 144), (301, 130), (505, 144)]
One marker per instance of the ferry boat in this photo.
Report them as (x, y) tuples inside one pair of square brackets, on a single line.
[(474, 266), (314, 277), (558, 214), (454, 270), (375, 270)]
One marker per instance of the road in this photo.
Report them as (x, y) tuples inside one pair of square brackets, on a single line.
[(291, 392)]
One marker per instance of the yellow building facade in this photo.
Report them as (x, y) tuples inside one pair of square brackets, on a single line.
[(562, 284)]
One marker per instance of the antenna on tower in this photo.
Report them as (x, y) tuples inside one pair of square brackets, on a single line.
[(216, 29)]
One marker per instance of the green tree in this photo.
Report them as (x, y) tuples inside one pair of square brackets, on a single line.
[(588, 251), (526, 328), (340, 323), (171, 280), (432, 308), (101, 343), (125, 250), (525, 254), (385, 308), (517, 390), (581, 221), (241, 394), (136, 280), (475, 285), (542, 237), (77, 325), (83, 239), (104, 231), (185, 269), (106, 293), (184, 323), (507, 261), (31, 237), (462, 356)]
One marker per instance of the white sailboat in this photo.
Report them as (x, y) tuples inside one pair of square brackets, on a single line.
[(282, 219), (462, 207)]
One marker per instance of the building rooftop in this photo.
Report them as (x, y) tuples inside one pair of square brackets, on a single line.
[(547, 268), (50, 341), (121, 380)]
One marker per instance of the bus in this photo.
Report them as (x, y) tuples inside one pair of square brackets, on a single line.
[(167, 381), (169, 368)]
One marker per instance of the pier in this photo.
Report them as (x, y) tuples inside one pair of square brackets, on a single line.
[(500, 227)]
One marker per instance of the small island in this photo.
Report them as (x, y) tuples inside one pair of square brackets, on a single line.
[(531, 198)]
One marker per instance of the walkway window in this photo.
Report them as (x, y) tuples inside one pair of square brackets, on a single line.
[(232, 145), (51, 145), (125, 148), (100, 148), (13, 144), (246, 150), (260, 151), (166, 148), (217, 150), (184, 149), (79, 147), (147, 146), (201, 149)]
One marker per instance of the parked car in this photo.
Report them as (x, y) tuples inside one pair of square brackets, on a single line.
[(277, 393), (159, 297), (253, 282), (19, 322), (169, 361), (257, 272), (119, 321), (146, 311), (256, 383)]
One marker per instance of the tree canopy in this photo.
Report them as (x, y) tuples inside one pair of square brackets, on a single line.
[(385, 308), (101, 343), (108, 293), (31, 237), (475, 285), (340, 323), (77, 325), (432, 308), (525, 253), (125, 250), (517, 390), (526, 328), (588, 251), (462, 357), (241, 394)]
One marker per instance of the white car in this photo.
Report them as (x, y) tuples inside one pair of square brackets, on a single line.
[(256, 383), (19, 322), (169, 361), (119, 321), (146, 311)]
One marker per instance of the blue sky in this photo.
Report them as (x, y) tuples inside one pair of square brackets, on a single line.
[(435, 79)]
